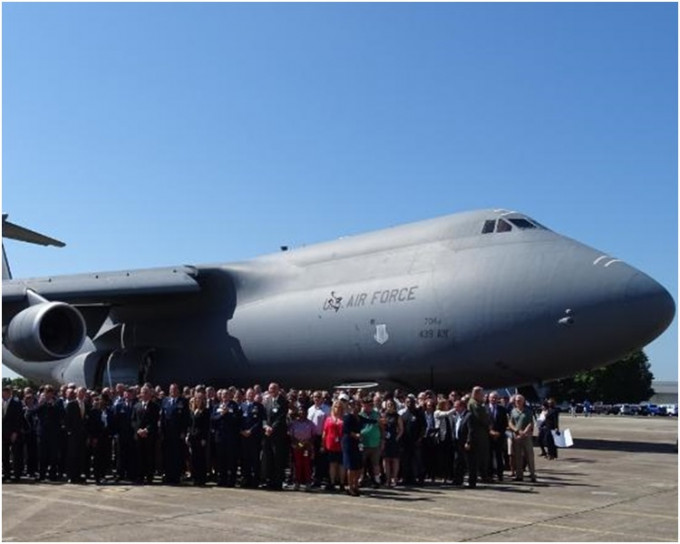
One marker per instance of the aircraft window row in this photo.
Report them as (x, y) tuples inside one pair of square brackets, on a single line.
[(501, 225)]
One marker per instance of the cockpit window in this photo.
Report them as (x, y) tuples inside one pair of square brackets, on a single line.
[(507, 224), (489, 225), (523, 224), (503, 226)]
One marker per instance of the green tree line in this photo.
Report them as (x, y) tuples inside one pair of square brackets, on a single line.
[(627, 380)]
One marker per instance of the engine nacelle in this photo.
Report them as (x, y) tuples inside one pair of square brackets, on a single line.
[(45, 332)]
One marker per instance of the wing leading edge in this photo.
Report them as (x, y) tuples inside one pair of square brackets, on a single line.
[(105, 287)]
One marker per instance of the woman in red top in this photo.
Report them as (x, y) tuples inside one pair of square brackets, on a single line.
[(332, 445)]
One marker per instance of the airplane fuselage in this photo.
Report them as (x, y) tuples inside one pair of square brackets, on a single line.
[(485, 297)]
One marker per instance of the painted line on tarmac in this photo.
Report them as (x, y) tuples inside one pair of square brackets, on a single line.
[(636, 538), (36, 506), (522, 524), (378, 535), (165, 517), (644, 515), (436, 512)]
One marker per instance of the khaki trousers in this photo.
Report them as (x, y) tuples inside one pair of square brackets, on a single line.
[(523, 448)]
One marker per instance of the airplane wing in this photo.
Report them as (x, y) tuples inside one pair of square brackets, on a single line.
[(17, 232), (88, 298), (105, 287)]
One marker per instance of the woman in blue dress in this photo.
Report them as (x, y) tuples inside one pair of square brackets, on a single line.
[(351, 453)]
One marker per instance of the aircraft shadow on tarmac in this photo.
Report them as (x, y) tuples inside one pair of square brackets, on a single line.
[(625, 446)]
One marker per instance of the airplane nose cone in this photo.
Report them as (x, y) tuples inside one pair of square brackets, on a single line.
[(649, 306)]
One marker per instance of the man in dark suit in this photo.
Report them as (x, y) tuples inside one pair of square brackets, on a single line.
[(31, 433), (127, 466), (226, 422), (50, 414), (415, 427), (75, 421), (275, 445), (174, 424), (477, 444), (460, 438), (251, 439), (144, 422), (13, 423), (99, 433), (551, 423), (498, 419)]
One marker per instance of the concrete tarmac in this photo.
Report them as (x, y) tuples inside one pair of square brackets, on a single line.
[(618, 483)]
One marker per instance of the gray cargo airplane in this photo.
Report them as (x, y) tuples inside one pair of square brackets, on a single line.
[(490, 297)]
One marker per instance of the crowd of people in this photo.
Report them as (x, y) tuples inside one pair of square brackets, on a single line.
[(271, 438)]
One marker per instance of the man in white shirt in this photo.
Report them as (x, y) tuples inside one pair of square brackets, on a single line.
[(317, 414)]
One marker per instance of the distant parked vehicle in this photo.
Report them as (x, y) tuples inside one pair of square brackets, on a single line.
[(600, 408), (671, 409), (614, 409), (627, 410), (656, 410), (564, 407)]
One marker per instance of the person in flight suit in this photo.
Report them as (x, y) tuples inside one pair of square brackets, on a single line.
[(251, 439), (13, 424), (174, 423), (226, 421), (144, 424), (75, 421), (275, 445)]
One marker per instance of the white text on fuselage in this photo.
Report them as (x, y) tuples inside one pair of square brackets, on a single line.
[(381, 296)]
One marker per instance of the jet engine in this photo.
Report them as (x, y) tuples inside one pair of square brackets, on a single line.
[(46, 331)]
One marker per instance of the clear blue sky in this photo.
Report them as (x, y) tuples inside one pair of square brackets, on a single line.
[(158, 134)]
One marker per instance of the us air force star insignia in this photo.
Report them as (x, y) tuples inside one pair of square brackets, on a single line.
[(381, 335), (333, 303)]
